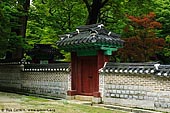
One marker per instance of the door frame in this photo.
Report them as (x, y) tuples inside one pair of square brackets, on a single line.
[(80, 75), (75, 73)]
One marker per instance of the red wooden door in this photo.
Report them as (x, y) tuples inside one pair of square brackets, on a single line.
[(88, 67)]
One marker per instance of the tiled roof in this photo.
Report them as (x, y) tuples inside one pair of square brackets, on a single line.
[(163, 70), (13, 61), (47, 67), (90, 36), (137, 68)]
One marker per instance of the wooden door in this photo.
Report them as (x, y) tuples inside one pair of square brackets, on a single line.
[(88, 75)]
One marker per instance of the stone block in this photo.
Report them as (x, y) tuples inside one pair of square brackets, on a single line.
[(107, 94), (157, 104), (109, 91), (84, 98), (113, 86), (130, 102), (121, 87), (130, 87), (119, 91), (117, 87), (152, 94), (117, 95), (155, 98), (161, 99), (164, 105), (127, 92), (166, 99), (70, 97), (125, 87), (150, 98), (136, 92), (126, 96), (132, 92), (145, 97), (141, 97), (97, 100), (121, 96), (112, 95), (130, 96), (123, 91), (143, 92), (135, 97), (141, 88), (168, 105), (135, 87), (106, 86), (114, 91)]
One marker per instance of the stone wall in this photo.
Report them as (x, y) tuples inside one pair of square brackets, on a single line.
[(45, 83), (13, 78), (129, 88), (137, 90), (10, 77)]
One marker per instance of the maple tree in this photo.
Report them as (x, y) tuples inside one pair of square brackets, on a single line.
[(141, 43)]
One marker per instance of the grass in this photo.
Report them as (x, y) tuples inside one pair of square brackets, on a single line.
[(30, 104), (63, 106)]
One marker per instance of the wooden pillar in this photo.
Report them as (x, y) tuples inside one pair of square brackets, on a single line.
[(74, 67), (101, 59)]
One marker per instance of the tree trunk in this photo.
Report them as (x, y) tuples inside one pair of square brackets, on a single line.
[(24, 19), (18, 53), (94, 12)]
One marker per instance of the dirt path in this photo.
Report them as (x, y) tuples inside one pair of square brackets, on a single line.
[(14, 103)]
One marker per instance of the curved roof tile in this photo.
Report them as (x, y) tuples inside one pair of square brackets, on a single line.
[(90, 35), (137, 68)]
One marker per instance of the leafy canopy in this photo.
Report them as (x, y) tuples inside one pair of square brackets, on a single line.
[(10, 11)]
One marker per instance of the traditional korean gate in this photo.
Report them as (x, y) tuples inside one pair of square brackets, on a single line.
[(90, 47), (88, 73)]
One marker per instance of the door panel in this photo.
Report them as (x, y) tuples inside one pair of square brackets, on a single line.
[(88, 74)]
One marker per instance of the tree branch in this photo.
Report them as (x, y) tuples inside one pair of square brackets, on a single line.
[(87, 5), (104, 2), (43, 2)]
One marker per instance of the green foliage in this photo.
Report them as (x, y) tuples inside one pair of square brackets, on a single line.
[(137, 7), (48, 19), (166, 50), (12, 27), (66, 55), (113, 14), (167, 39), (9, 13), (162, 10)]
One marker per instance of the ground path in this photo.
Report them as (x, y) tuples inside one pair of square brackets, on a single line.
[(14, 103)]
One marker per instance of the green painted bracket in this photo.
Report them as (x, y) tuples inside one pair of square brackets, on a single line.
[(108, 50)]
